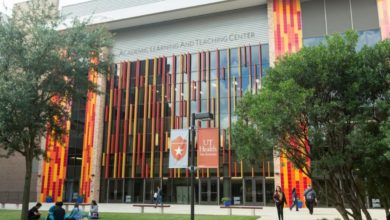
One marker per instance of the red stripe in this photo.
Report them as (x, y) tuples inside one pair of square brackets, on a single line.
[(245, 57), (158, 104), (112, 143), (115, 91)]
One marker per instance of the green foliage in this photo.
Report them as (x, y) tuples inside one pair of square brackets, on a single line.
[(225, 199), (43, 69), (332, 98), (37, 63)]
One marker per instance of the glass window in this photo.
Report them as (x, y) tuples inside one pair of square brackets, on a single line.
[(223, 59), (234, 57), (368, 38)]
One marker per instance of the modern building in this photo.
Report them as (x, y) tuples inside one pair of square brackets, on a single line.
[(173, 58)]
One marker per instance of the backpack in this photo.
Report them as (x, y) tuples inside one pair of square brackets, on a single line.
[(310, 196)]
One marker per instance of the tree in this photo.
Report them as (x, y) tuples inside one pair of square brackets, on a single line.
[(328, 104), (42, 70)]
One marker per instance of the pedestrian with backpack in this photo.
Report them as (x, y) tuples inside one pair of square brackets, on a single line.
[(295, 199), (310, 198)]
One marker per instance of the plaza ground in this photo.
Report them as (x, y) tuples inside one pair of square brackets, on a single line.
[(203, 212)]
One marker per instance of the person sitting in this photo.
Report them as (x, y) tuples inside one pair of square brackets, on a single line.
[(59, 212), (94, 211), (33, 213), (50, 216), (75, 214)]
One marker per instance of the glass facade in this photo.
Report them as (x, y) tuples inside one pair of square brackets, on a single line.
[(145, 99), (366, 38), (75, 150)]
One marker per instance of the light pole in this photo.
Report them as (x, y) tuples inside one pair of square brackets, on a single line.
[(195, 116)]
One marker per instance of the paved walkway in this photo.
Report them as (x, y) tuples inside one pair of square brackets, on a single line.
[(267, 213)]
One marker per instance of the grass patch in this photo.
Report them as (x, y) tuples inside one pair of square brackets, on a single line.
[(15, 215)]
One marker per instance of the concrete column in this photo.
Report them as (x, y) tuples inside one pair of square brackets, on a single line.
[(271, 37), (98, 139)]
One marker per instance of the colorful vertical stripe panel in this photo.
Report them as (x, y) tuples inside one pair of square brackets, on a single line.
[(384, 17), (86, 165), (54, 169), (288, 39), (287, 26)]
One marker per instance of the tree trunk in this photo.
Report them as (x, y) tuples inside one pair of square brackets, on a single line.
[(342, 212), (27, 184), (366, 213), (386, 206)]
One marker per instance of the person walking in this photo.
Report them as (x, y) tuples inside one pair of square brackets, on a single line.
[(280, 200), (310, 198), (159, 196), (295, 199)]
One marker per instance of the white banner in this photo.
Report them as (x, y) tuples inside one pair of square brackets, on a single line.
[(178, 154)]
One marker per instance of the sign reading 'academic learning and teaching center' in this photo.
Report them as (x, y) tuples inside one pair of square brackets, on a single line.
[(208, 148)]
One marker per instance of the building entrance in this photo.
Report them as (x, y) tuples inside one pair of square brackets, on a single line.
[(115, 191), (254, 189), (209, 191)]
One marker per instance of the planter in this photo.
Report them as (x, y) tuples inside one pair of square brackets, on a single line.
[(299, 204), (227, 203), (80, 199), (49, 199)]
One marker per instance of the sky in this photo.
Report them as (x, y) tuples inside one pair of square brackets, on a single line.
[(6, 5)]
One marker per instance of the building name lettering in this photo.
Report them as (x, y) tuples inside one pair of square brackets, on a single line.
[(187, 44)]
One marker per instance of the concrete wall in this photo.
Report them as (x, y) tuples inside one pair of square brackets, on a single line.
[(222, 30), (12, 179)]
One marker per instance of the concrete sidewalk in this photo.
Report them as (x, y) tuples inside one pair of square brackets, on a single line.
[(267, 213)]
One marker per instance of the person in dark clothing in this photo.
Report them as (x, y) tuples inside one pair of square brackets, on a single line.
[(294, 197), (59, 212), (280, 200), (33, 213), (310, 198), (159, 196)]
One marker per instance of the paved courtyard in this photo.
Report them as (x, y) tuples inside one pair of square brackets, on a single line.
[(267, 213)]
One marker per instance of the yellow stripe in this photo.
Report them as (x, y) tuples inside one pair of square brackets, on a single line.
[(145, 106), (109, 120), (123, 164), (153, 123), (127, 91), (119, 105), (134, 132), (173, 75), (149, 91)]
